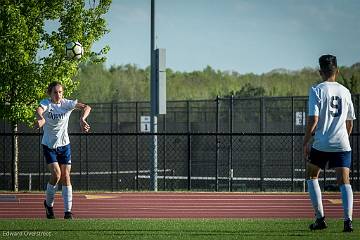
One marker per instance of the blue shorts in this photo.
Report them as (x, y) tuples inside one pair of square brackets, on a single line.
[(335, 159), (61, 155)]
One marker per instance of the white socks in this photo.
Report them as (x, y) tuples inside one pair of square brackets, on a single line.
[(347, 200), (66, 194), (50, 194), (67, 197), (316, 200), (315, 196)]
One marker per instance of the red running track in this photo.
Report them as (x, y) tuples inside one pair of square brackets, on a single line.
[(176, 205)]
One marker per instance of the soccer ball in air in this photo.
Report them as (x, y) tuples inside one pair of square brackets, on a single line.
[(74, 50)]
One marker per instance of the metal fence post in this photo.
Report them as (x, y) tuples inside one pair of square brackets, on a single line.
[(302, 154), (111, 145), (15, 158), (217, 146), (292, 144), (189, 144), (262, 130), (43, 172), (231, 125), (153, 105), (4, 157), (39, 165), (80, 161), (352, 162), (137, 147), (117, 147), (357, 143), (87, 163), (324, 182), (189, 160), (164, 151)]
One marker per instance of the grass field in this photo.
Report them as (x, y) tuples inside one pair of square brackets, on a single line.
[(172, 229)]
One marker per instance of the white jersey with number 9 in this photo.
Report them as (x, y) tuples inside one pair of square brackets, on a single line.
[(331, 102)]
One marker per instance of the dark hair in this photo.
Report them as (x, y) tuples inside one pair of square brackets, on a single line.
[(51, 86), (328, 64)]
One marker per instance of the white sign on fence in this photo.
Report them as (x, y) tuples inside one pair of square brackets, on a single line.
[(300, 119), (145, 123)]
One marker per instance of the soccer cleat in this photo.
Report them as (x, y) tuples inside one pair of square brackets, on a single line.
[(68, 215), (319, 224), (348, 226), (49, 211)]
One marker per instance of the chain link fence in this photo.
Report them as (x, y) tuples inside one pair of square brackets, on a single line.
[(242, 144)]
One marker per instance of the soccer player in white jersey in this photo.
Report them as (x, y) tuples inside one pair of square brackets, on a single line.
[(330, 119), (53, 115)]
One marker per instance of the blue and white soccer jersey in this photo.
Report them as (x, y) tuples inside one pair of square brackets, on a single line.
[(56, 140), (332, 103)]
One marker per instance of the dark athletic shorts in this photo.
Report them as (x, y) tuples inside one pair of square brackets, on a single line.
[(335, 159), (61, 155)]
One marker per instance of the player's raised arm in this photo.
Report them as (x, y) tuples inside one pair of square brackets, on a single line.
[(85, 111), (40, 120)]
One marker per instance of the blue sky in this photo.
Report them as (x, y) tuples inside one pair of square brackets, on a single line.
[(241, 35)]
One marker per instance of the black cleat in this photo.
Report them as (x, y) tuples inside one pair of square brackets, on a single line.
[(68, 215), (319, 224), (348, 226), (49, 211)]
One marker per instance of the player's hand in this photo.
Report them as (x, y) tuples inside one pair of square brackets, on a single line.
[(38, 124), (85, 127), (306, 151)]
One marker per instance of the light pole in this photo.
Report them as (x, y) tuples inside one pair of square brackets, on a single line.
[(153, 98)]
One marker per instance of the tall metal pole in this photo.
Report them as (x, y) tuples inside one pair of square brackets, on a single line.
[(292, 144), (153, 122), (189, 144), (217, 146), (231, 170), (357, 145), (262, 142)]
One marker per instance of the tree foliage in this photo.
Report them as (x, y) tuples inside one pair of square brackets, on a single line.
[(23, 39), (249, 90), (351, 79), (130, 83)]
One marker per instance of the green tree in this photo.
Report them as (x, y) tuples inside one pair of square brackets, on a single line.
[(24, 75), (352, 83), (130, 83), (249, 90)]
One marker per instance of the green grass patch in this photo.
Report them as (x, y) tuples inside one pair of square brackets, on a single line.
[(172, 229)]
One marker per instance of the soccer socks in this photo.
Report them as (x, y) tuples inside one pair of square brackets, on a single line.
[(67, 197), (315, 196), (50, 194), (66, 194), (347, 200)]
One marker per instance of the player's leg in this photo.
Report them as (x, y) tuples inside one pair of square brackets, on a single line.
[(66, 189), (341, 161), (346, 196), (52, 184), (53, 166), (313, 169), (65, 166), (342, 174), (314, 189)]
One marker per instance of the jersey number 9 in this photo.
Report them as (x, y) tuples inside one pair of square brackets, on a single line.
[(335, 106)]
